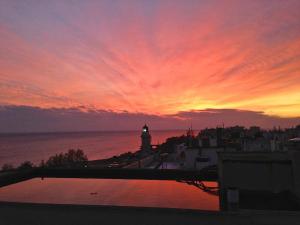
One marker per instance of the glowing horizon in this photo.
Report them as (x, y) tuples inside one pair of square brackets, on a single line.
[(153, 57)]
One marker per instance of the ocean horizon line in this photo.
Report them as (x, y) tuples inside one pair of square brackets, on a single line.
[(90, 131)]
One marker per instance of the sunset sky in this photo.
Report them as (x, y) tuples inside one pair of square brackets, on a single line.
[(167, 60)]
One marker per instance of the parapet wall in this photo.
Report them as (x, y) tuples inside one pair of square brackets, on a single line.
[(272, 172)]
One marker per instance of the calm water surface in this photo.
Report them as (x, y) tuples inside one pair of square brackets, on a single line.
[(15, 149), (148, 193)]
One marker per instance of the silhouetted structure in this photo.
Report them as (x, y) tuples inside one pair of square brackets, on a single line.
[(146, 140)]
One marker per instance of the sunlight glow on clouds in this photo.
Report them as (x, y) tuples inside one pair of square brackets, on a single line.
[(156, 57)]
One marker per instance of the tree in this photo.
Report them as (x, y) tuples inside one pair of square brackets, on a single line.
[(70, 159), (26, 165), (42, 164), (7, 167)]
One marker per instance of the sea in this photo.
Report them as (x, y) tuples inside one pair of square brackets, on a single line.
[(35, 147)]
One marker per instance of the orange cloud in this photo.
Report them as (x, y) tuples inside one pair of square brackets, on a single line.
[(157, 57)]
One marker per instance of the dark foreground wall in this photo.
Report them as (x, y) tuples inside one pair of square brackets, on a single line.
[(7, 178), (39, 214)]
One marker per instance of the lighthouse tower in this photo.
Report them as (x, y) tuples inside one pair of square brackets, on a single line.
[(146, 140)]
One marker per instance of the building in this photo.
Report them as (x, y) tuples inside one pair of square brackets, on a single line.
[(208, 157), (196, 158), (261, 180), (293, 144), (259, 144), (186, 156), (146, 140)]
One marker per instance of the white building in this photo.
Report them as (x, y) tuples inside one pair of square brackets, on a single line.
[(256, 144), (208, 157), (196, 158)]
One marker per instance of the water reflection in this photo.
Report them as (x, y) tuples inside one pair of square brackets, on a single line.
[(149, 193)]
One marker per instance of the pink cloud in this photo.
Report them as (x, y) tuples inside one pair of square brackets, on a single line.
[(152, 57)]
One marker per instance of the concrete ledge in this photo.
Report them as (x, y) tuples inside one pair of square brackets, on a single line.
[(12, 177), (117, 173), (31, 213)]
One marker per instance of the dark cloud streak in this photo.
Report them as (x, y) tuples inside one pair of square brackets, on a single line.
[(34, 119)]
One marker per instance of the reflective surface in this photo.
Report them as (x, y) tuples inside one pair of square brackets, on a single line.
[(148, 193)]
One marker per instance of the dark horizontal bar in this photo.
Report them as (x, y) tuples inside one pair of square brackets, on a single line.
[(116, 173), (8, 178)]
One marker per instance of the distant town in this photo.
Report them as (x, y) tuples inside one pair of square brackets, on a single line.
[(196, 151)]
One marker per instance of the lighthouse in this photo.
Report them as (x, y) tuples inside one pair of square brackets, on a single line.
[(146, 140)]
